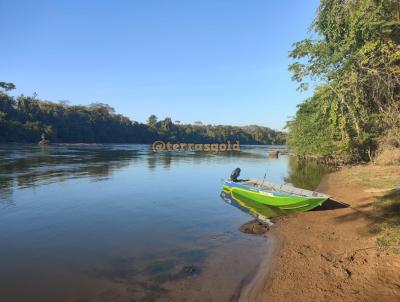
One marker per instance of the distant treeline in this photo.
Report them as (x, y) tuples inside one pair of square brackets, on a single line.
[(25, 119)]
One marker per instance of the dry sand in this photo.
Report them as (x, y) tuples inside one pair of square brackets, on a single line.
[(329, 254)]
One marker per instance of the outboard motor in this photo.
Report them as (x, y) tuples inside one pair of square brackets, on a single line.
[(235, 174)]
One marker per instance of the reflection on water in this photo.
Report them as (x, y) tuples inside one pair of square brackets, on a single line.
[(121, 223), (259, 211), (306, 174), (28, 166)]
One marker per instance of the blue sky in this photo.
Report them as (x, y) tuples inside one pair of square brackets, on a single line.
[(219, 62)]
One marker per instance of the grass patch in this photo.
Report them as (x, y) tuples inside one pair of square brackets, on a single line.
[(389, 239), (381, 179), (373, 177), (389, 234)]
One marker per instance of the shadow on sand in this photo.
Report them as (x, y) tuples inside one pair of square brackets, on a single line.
[(380, 209), (331, 204)]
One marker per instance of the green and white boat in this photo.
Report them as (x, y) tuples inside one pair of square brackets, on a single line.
[(284, 197)]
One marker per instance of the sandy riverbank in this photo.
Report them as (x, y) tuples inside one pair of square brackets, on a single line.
[(331, 254)]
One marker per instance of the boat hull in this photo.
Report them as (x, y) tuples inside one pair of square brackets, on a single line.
[(284, 203)]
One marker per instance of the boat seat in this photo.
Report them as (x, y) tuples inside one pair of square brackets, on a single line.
[(282, 188)]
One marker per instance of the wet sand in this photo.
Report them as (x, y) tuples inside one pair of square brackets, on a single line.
[(328, 254), (226, 271)]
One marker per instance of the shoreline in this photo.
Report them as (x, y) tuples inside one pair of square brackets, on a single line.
[(251, 291), (329, 254)]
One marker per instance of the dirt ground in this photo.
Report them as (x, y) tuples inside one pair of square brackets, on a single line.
[(331, 254)]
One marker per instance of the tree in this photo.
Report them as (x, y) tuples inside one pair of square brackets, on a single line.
[(102, 108), (167, 124), (152, 120), (355, 62), (7, 86)]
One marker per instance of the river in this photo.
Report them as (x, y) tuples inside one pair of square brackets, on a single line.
[(123, 223)]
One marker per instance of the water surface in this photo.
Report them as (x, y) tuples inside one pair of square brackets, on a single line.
[(122, 223)]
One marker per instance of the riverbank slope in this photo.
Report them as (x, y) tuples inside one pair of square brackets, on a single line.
[(344, 251)]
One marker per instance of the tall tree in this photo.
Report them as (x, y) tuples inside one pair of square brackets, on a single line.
[(355, 61), (152, 120)]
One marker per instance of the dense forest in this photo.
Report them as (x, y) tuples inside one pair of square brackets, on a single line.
[(353, 61), (25, 119)]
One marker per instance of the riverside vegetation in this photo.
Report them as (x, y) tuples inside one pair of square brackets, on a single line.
[(25, 118), (353, 58)]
